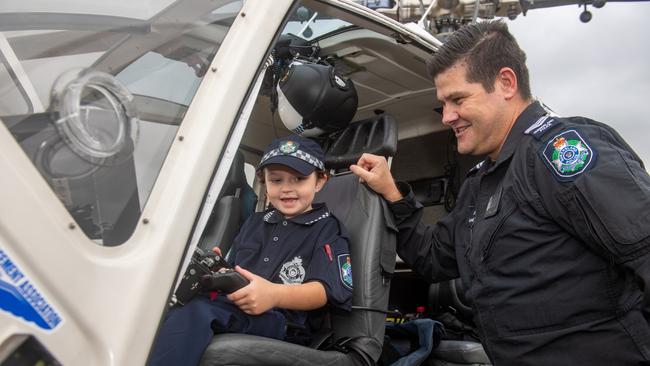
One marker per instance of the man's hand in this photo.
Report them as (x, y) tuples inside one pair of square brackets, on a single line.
[(374, 170), (257, 297), (217, 250)]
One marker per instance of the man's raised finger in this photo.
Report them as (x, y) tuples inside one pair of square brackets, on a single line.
[(361, 172)]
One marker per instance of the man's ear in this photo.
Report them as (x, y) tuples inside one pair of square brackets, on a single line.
[(506, 82)]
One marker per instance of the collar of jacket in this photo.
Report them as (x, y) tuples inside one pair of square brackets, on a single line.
[(318, 212), (530, 115)]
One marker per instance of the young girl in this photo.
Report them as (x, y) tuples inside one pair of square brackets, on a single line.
[(295, 255)]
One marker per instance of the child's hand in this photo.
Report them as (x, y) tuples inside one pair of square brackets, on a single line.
[(257, 297)]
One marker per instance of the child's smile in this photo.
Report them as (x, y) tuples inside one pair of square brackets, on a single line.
[(288, 191)]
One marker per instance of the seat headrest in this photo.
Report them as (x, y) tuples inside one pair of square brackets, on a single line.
[(339, 194), (376, 135)]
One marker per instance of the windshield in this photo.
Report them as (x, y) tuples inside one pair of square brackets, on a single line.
[(95, 91), (309, 24)]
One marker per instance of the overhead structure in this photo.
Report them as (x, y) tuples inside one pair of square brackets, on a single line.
[(441, 17)]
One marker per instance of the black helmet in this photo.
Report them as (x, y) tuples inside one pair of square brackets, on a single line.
[(313, 99)]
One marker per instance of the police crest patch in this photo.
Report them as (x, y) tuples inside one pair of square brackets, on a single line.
[(345, 269), (292, 272), (568, 155), (288, 147)]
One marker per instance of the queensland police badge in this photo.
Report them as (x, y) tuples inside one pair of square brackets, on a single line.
[(292, 272), (345, 270), (568, 155), (288, 147)]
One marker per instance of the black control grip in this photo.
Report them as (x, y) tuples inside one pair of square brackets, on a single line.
[(227, 282), (219, 262)]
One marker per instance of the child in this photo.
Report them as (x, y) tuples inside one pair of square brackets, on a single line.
[(295, 255)]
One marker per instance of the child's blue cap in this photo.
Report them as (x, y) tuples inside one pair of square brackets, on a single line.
[(298, 153)]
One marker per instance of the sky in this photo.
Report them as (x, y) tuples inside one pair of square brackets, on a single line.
[(597, 69)]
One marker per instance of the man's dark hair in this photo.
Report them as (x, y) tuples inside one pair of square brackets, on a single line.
[(485, 48)]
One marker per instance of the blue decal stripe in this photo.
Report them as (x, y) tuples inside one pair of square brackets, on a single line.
[(19, 297)]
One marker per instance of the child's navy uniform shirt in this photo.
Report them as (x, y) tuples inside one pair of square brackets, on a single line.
[(312, 246), (308, 247)]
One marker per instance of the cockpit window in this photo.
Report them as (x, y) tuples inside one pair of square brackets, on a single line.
[(309, 24), (94, 93)]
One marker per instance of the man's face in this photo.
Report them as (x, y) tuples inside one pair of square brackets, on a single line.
[(290, 192), (478, 118)]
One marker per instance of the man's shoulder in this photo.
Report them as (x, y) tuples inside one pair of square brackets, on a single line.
[(566, 145), (546, 127)]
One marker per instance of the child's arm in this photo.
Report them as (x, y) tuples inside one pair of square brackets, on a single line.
[(261, 295)]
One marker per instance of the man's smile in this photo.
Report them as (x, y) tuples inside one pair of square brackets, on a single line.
[(459, 130)]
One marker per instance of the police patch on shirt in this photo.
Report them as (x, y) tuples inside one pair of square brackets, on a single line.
[(292, 272), (345, 269), (568, 155)]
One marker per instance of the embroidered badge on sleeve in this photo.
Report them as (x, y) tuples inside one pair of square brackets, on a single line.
[(568, 155), (345, 270)]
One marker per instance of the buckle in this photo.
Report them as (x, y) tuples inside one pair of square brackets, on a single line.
[(340, 345)]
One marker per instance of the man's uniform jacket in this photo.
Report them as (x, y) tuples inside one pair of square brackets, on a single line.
[(552, 243)]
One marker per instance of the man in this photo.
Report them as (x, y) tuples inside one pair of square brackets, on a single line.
[(551, 232)]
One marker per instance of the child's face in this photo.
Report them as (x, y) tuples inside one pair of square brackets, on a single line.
[(290, 192)]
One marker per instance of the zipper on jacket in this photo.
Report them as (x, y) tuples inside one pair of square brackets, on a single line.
[(470, 225), (487, 250)]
